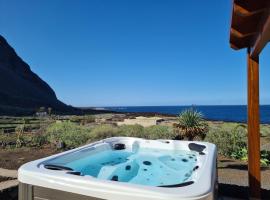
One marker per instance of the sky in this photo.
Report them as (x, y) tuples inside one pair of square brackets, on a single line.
[(132, 52)]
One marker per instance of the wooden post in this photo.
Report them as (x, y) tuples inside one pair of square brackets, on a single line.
[(254, 172)]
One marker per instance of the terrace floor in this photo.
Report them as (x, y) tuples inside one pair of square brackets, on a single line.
[(233, 179)]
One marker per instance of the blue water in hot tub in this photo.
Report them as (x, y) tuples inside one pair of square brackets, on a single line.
[(150, 167)]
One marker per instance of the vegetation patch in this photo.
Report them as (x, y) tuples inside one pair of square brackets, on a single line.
[(67, 134), (70, 132), (132, 131), (159, 132), (83, 120), (229, 141), (103, 131), (232, 143)]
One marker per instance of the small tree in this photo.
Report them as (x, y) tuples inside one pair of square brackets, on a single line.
[(49, 111), (191, 125)]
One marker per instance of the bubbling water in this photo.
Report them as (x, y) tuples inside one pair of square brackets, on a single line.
[(144, 166)]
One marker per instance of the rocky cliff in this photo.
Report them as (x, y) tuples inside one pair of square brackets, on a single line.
[(21, 90)]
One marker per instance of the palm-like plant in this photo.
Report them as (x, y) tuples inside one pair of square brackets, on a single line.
[(191, 125)]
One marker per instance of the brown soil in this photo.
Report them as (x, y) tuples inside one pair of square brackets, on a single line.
[(14, 158)]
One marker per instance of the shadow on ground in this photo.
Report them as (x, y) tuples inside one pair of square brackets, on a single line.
[(227, 190), (241, 192), (240, 167), (9, 194)]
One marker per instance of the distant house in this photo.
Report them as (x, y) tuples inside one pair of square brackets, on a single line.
[(41, 114), (143, 121)]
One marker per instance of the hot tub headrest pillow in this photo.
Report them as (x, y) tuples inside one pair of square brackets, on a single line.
[(196, 147)]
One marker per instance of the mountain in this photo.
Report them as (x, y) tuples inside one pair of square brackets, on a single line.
[(21, 90)]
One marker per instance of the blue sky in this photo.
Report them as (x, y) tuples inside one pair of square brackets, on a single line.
[(132, 52)]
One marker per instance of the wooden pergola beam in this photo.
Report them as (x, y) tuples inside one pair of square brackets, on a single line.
[(254, 173), (238, 34), (239, 42), (251, 5), (247, 24), (262, 39), (244, 12), (250, 28)]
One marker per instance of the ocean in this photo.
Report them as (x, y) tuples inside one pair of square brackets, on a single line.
[(237, 113)]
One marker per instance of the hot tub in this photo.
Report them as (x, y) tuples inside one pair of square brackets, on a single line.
[(123, 168)]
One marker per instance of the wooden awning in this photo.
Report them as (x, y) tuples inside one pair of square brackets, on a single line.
[(250, 24), (250, 28)]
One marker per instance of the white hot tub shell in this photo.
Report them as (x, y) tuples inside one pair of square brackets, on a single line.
[(40, 183)]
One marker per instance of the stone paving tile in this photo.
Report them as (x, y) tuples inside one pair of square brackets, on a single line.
[(8, 173), (8, 184)]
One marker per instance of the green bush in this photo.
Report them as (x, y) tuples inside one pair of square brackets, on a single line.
[(103, 131), (154, 132), (229, 142), (243, 155), (131, 131), (159, 132), (88, 119), (265, 130), (68, 133), (265, 158), (7, 139), (37, 140), (85, 119)]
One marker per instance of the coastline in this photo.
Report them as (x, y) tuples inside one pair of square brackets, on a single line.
[(225, 113)]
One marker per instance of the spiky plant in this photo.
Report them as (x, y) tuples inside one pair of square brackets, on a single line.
[(191, 125)]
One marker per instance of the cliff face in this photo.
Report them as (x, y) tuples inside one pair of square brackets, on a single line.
[(21, 90)]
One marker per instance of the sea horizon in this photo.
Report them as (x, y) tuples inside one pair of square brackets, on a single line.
[(226, 113)]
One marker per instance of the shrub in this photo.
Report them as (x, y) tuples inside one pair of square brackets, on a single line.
[(243, 155), (229, 142), (132, 131), (86, 119), (265, 158), (191, 125), (265, 130), (103, 131), (159, 132), (7, 139), (37, 140), (68, 133), (154, 132)]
